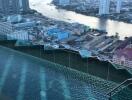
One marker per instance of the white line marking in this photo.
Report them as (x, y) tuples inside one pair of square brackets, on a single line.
[(22, 82)]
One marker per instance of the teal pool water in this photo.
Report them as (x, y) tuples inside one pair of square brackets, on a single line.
[(24, 77)]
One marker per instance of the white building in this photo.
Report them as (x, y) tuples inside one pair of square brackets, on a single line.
[(64, 2), (118, 6), (14, 18), (104, 6), (6, 28), (18, 35)]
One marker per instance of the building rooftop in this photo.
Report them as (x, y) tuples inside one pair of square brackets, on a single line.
[(127, 53)]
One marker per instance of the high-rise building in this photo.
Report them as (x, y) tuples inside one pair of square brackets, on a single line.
[(24, 5), (118, 6), (104, 7), (13, 6), (0, 6), (64, 2), (9, 6)]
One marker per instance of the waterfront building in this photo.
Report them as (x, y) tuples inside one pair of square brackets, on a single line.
[(14, 6), (104, 7), (58, 34), (118, 6), (123, 57), (64, 2)]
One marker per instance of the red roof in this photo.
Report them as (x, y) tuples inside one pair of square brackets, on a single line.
[(127, 53)]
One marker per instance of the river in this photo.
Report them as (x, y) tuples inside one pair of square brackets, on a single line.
[(44, 7)]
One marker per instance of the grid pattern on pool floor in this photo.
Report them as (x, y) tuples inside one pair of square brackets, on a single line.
[(22, 78)]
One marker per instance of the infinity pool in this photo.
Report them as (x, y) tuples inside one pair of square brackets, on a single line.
[(24, 77)]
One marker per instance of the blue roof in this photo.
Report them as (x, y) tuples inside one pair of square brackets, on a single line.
[(60, 34), (85, 53), (56, 31)]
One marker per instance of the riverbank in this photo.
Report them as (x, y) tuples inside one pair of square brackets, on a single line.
[(116, 17), (49, 10), (88, 42), (82, 39)]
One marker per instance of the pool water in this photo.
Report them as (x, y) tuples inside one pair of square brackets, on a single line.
[(25, 78)]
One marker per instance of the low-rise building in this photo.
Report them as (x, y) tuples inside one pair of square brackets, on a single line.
[(18, 35), (64, 2), (58, 34), (6, 28), (25, 25), (123, 57), (14, 18)]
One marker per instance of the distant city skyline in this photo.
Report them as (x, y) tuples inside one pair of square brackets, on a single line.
[(13, 7), (104, 5)]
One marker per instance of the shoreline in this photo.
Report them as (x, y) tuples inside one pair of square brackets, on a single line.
[(107, 17), (74, 49)]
